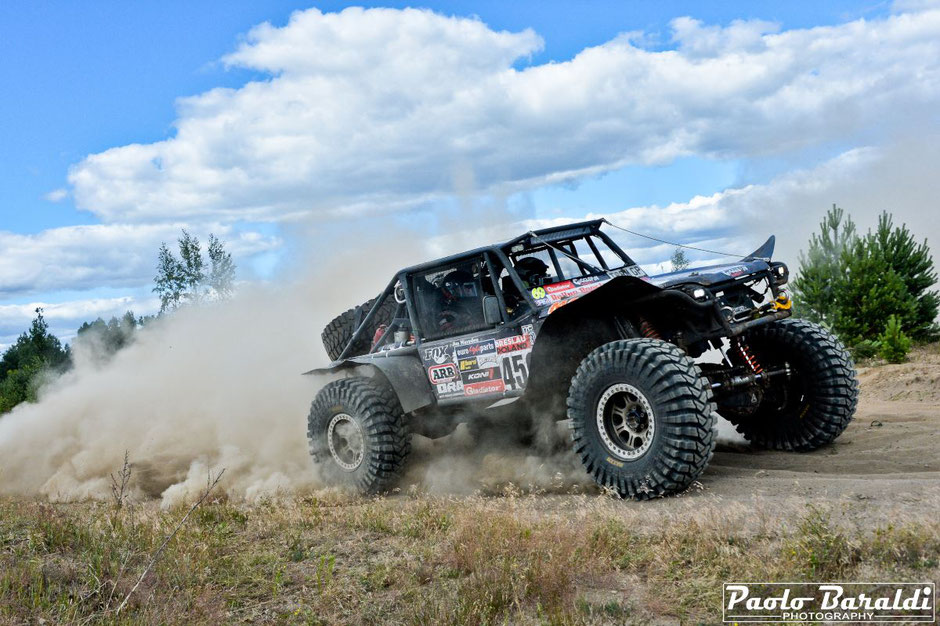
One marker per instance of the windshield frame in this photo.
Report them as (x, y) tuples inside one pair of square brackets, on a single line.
[(565, 250)]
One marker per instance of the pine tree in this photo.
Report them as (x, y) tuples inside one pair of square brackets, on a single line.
[(894, 343), (821, 274), (853, 284), (867, 293), (34, 352), (914, 266)]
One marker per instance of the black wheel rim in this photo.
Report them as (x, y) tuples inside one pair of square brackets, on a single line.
[(625, 421)]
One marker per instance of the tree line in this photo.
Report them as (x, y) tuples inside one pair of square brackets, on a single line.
[(188, 279)]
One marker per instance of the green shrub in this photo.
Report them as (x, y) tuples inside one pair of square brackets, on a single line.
[(866, 349), (894, 343)]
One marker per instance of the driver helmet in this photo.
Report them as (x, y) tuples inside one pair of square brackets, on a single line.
[(531, 270), (458, 284)]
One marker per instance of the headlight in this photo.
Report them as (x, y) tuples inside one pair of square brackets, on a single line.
[(781, 273)]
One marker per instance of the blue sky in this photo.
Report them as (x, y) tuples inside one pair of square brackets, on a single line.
[(84, 79), (101, 74)]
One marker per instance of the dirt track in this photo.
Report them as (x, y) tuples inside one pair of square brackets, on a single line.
[(885, 466), (889, 455)]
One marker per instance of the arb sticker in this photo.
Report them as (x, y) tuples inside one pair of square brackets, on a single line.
[(442, 373)]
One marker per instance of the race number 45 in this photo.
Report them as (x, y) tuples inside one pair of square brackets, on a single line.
[(515, 370)]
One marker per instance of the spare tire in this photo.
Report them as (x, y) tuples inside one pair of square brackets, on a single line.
[(338, 332)]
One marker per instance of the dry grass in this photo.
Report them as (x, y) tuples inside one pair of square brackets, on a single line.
[(333, 558)]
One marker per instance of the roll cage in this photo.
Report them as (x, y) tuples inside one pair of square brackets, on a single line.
[(558, 243)]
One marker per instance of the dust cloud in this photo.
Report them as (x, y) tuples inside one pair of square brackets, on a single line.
[(209, 387), (219, 386)]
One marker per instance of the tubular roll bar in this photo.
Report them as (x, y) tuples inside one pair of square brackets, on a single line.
[(364, 324)]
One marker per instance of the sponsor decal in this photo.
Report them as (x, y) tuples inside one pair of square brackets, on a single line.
[(469, 341), (538, 293), (442, 373), (475, 350), (448, 389), (556, 287), (562, 299), (557, 305), (477, 389), (479, 376), (587, 280), (478, 362), (487, 360), (630, 270), (735, 271), (437, 354), (513, 343), (829, 602)]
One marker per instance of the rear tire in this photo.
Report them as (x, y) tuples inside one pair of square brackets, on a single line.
[(339, 331), (357, 434), (815, 403), (642, 418)]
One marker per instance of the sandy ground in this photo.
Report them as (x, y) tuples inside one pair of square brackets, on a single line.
[(889, 455), (885, 466)]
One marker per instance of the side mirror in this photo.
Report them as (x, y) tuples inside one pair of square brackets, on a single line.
[(491, 313)]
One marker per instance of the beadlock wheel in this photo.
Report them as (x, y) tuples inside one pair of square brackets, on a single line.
[(625, 421), (345, 440)]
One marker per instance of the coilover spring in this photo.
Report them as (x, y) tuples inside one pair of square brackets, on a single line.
[(745, 352), (647, 330)]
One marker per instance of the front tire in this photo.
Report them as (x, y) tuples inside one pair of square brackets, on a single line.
[(814, 404), (357, 434), (642, 418)]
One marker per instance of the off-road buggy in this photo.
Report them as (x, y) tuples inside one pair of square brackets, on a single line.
[(561, 322)]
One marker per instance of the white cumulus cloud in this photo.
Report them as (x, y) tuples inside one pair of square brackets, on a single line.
[(383, 109)]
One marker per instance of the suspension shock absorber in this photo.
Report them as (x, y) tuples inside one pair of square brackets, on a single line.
[(741, 347), (647, 330)]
